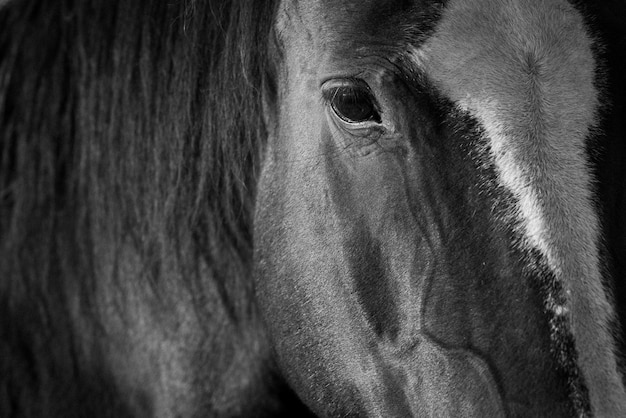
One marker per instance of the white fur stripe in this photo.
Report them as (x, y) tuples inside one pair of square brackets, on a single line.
[(525, 70)]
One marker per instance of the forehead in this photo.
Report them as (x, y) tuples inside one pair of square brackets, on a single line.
[(501, 40), (346, 26)]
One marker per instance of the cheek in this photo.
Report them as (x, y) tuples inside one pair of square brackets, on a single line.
[(377, 190), (298, 138)]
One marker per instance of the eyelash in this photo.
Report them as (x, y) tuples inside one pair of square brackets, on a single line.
[(329, 93)]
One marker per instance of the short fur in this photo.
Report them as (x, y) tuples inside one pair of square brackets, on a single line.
[(542, 162)]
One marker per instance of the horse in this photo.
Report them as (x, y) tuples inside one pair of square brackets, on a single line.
[(312, 208)]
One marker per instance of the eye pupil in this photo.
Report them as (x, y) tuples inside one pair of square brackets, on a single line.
[(354, 105)]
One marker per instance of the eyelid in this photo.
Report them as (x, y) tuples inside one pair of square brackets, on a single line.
[(329, 88)]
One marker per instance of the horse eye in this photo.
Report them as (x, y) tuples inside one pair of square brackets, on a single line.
[(354, 104)]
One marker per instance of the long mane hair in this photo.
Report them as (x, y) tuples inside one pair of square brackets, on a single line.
[(124, 125)]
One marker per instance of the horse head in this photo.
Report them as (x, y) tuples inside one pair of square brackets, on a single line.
[(426, 242)]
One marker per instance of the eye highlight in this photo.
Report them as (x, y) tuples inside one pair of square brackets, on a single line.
[(353, 102)]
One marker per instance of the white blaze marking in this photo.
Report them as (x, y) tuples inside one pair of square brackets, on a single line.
[(512, 176), (524, 69)]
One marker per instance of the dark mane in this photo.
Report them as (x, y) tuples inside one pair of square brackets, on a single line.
[(127, 123)]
